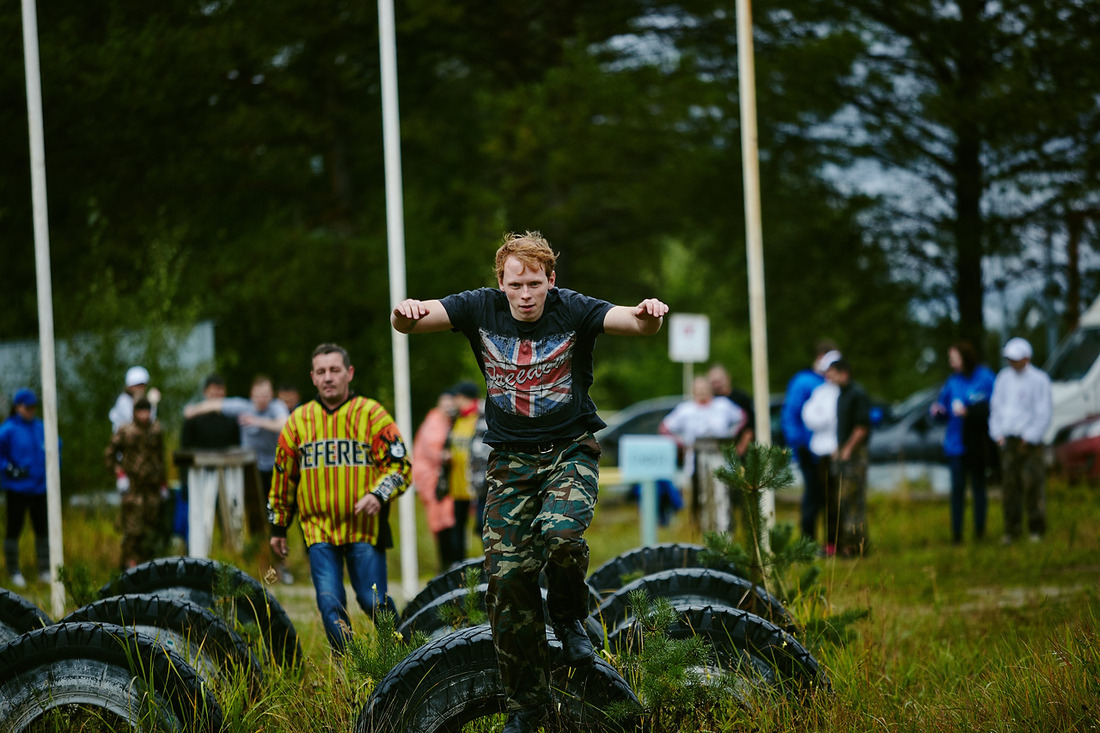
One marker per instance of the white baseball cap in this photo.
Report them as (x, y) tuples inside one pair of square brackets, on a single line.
[(1016, 349), (137, 375), (827, 360)]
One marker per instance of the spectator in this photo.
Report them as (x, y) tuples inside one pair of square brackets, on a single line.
[(137, 386), (810, 431), (428, 474), (1020, 411), (797, 435), (136, 454), (847, 497), (703, 416), (261, 418), (722, 386), (462, 485), (23, 474), (534, 345), (964, 401), (288, 394), (340, 461), (204, 431)]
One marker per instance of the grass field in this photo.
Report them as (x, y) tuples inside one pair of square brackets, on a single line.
[(976, 637)]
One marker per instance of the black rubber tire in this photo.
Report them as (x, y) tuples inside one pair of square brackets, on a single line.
[(198, 634), (112, 669), (741, 641), (427, 620), (454, 680), (193, 579), (701, 586), (609, 577), (447, 581), (18, 616)]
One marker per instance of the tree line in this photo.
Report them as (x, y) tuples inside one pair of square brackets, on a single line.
[(223, 160)]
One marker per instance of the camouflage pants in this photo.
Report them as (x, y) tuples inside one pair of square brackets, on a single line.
[(140, 520), (1023, 484), (537, 510), (846, 511)]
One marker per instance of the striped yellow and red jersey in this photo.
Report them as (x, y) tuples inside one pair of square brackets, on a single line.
[(327, 460)]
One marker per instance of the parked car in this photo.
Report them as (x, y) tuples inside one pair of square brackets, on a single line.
[(644, 418), (1076, 450), (908, 433)]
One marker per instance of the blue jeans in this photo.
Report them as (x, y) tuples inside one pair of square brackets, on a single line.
[(367, 570)]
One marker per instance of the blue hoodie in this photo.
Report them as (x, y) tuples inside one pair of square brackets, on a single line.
[(23, 443), (799, 389), (973, 390)]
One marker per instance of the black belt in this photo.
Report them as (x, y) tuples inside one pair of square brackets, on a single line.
[(532, 448)]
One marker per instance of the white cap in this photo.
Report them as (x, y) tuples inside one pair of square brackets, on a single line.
[(137, 375), (827, 360), (1016, 349)]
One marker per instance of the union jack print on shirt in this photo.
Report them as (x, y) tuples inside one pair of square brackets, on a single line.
[(528, 377)]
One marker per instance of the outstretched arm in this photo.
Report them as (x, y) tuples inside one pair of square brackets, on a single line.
[(422, 316), (643, 319)]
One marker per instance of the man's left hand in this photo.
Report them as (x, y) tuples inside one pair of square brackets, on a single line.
[(651, 308), (369, 504)]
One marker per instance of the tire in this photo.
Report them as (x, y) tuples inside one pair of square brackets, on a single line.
[(109, 673), (198, 634), (742, 642), (429, 622), (701, 586), (613, 574), (447, 581), (18, 616), (195, 579), (454, 680)]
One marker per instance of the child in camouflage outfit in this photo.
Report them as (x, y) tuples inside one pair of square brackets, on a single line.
[(136, 454)]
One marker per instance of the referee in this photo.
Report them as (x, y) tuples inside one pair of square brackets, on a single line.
[(341, 458)]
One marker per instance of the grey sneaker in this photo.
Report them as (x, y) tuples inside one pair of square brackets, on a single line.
[(18, 580), (286, 577)]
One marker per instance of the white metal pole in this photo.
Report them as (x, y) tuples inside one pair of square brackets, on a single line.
[(395, 227), (45, 299), (754, 237)]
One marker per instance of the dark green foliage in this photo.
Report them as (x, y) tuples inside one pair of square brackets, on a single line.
[(372, 658), (470, 612), (675, 679), (768, 468), (79, 586)]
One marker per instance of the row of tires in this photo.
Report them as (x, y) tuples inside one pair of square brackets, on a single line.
[(148, 653), (453, 679)]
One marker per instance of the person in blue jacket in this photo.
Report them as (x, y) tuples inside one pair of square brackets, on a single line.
[(797, 435), (23, 472), (964, 401)]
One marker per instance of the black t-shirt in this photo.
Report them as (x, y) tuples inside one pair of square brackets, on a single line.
[(537, 374), (853, 408), (209, 431)]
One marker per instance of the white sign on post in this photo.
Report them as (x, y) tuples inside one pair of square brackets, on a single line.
[(645, 459), (689, 337)]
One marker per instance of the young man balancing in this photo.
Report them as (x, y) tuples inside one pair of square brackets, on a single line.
[(533, 343)]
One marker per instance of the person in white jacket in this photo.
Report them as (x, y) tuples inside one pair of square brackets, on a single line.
[(1020, 411), (819, 415)]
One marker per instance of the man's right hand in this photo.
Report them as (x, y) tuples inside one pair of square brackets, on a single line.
[(15, 472), (279, 547)]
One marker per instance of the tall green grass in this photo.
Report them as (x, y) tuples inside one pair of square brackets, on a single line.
[(976, 637)]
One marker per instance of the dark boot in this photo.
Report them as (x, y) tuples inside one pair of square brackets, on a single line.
[(576, 647), (524, 721)]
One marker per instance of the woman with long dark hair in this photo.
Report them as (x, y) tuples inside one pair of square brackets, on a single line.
[(964, 400)]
